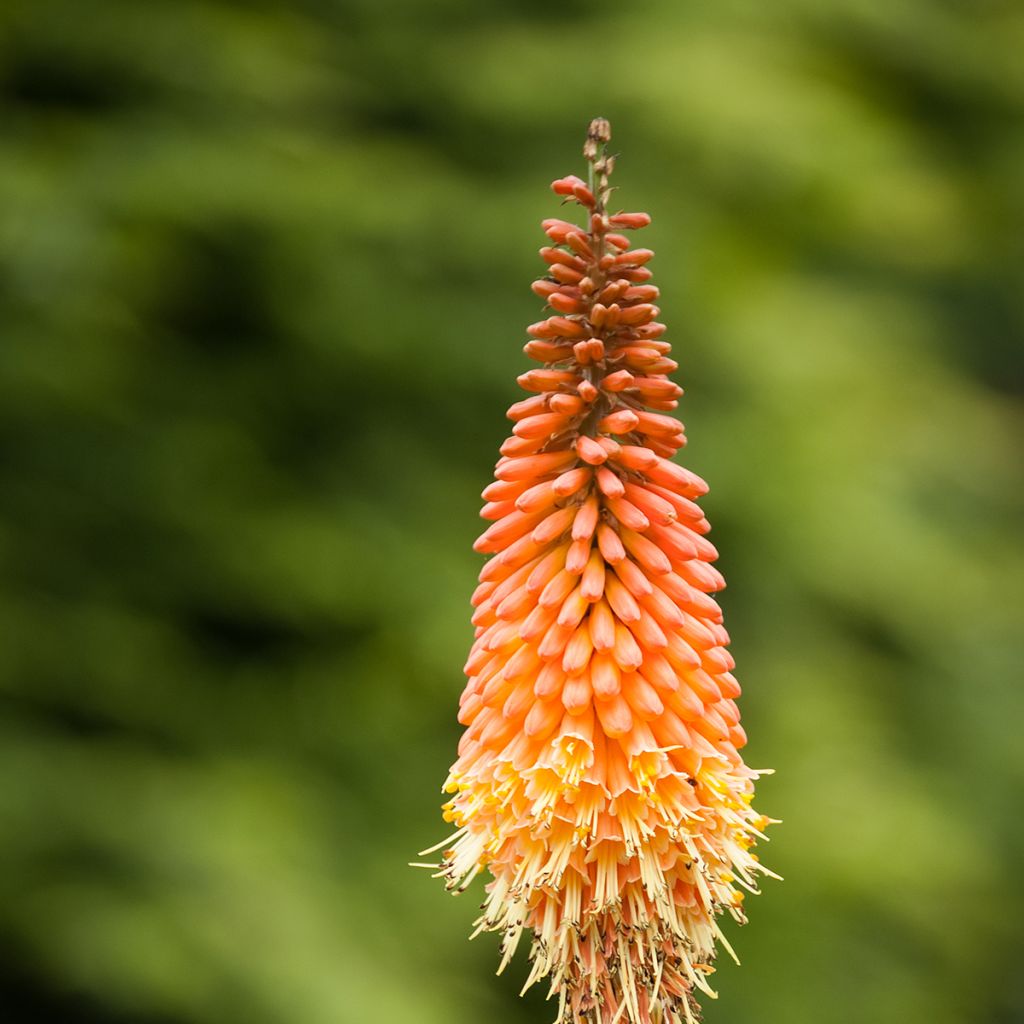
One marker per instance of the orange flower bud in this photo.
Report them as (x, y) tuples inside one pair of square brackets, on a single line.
[(630, 220), (590, 451), (565, 186)]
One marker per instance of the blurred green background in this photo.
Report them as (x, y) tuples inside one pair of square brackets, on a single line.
[(264, 276)]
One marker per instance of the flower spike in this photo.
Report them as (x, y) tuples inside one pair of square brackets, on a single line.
[(599, 780)]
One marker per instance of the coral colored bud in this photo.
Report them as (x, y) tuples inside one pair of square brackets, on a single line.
[(553, 526), (569, 405), (583, 195), (656, 508), (543, 718), (557, 589), (605, 675), (565, 186), (577, 694), (664, 610), (651, 331), (565, 275), (587, 391), (614, 291), (666, 447), (554, 256), (542, 329), (544, 288), (637, 458), (622, 421), (619, 241), (633, 578), (592, 582), (554, 640), (504, 532), (557, 229), (537, 498), (639, 314), (658, 671), (609, 483), (543, 425), (549, 681), (547, 380), (602, 626), (633, 258), (649, 555), (564, 303), (578, 650), (701, 575), (519, 702), (577, 241), (516, 446), (728, 685), (615, 717), (545, 569), (499, 490), (547, 351), (578, 556), (627, 653), (566, 328), (648, 633), (639, 356), (610, 544), (657, 425), (662, 404), (497, 509), (628, 514), (636, 274), (621, 600), (570, 482), (574, 607), (643, 699), (652, 387), (675, 477), (641, 293), (586, 519), (534, 465), (630, 220), (664, 366), (590, 451), (582, 352), (617, 381), (527, 407), (523, 663)]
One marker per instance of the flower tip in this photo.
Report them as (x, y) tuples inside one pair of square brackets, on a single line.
[(599, 133)]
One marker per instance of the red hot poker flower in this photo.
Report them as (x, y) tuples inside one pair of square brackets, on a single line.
[(598, 779)]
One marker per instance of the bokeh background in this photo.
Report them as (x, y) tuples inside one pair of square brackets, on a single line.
[(264, 276)]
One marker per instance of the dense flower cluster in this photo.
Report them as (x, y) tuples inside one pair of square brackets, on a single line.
[(598, 779)]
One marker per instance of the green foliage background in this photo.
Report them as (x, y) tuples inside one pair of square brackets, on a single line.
[(264, 276)]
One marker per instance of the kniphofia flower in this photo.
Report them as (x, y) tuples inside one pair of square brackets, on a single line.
[(599, 780)]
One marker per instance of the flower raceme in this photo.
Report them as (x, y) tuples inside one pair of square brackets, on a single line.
[(598, 779)]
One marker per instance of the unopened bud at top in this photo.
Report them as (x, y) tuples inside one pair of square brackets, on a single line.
[(599, 132)]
